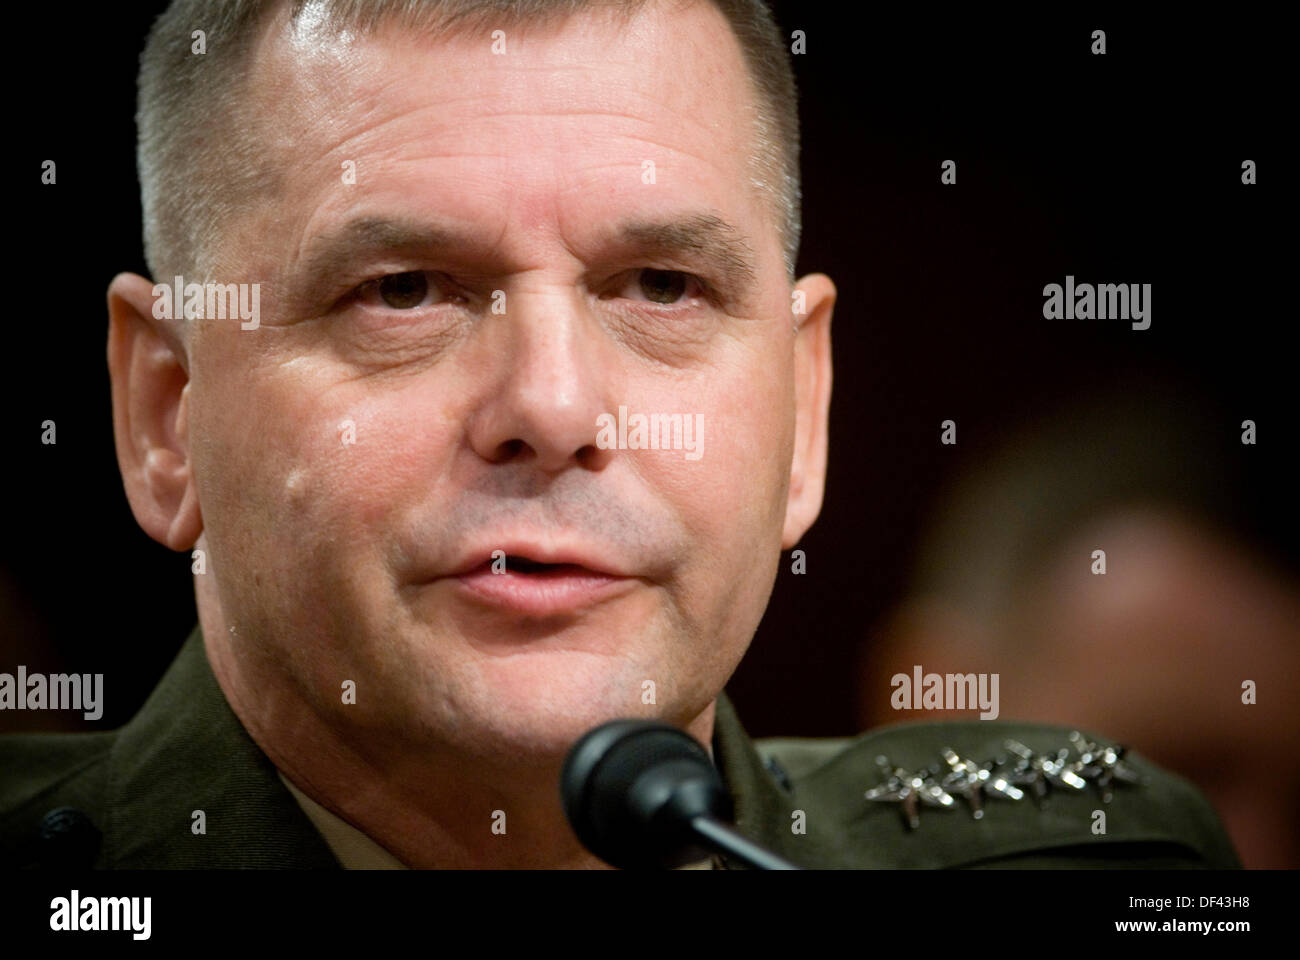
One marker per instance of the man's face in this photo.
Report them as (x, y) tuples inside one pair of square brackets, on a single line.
[(361, 454)]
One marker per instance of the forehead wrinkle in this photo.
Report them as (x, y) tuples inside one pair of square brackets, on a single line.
[(604, 94), (392, 102)]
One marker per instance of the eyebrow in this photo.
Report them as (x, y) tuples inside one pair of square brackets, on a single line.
[(338, 252), (699, 236), (693, 238)]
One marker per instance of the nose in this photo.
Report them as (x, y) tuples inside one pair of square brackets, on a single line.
[(554, 386)]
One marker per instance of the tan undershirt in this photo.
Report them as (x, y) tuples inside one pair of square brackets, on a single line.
[(356, 851)]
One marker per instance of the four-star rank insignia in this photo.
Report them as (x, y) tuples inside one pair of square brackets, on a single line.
[(1002, 777)]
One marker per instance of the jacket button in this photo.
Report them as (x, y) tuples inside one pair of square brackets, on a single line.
[(69, 838)]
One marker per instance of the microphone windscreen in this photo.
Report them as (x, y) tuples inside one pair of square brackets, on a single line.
[(630, 789)]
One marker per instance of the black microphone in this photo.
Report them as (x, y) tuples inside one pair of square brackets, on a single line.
[(645, 795)]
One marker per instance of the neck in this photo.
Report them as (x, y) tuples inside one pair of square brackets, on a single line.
[(475, 829), (429, 805)]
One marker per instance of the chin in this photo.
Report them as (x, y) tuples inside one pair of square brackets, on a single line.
[(539, 704)]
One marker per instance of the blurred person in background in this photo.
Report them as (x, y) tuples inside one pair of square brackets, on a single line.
[(1156, 651)]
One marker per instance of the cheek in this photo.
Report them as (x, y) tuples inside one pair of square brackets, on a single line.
[(376, 451), (322, 469), (732, 502), (733, 497)]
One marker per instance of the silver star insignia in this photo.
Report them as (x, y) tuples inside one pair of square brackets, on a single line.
[(1102, 764), (1038, 770), (911, 790), (973, 781)]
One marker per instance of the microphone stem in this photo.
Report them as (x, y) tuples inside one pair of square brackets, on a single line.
[(723, 839)]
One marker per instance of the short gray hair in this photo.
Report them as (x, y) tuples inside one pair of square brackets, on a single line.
[(187, 103)]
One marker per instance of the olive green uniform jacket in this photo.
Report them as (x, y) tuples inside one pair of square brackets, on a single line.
[(123, 799)]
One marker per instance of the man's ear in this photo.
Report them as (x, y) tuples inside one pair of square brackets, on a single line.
[(149, 369), (812, 382)]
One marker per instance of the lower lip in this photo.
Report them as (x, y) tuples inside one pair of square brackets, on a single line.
[(556, 591)]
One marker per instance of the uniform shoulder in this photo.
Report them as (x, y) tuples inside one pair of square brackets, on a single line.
[(37, 763), (44, 777), (1062, 817)]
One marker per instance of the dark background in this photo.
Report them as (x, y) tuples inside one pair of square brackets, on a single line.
[(1117, 168)]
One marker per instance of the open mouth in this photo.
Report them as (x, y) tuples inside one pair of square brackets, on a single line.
[(516, 564), (536, 588)]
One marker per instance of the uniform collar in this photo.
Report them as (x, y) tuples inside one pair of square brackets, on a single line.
[(185, 759), (762, 807)]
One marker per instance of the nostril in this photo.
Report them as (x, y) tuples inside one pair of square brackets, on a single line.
[(509, 450)]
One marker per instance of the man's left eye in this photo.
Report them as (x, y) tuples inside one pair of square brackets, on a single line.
[(660, 286), (403, 291)]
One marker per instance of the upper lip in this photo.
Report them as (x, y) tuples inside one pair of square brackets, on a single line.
[(577, 554)]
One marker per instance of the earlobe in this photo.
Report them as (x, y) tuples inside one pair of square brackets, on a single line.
[(148, 368), (812, 373)]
